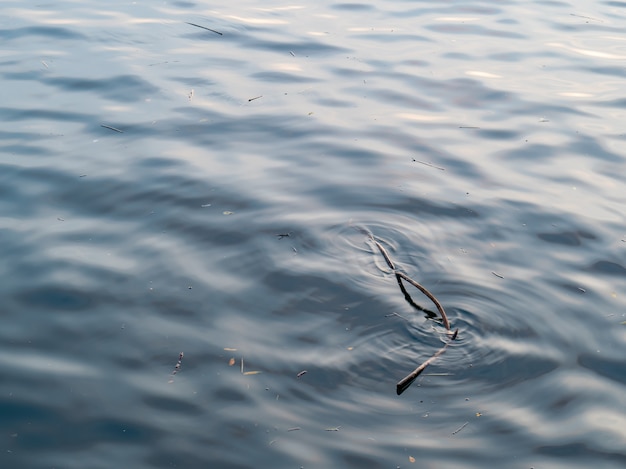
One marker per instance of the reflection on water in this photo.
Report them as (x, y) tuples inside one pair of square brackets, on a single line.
[(226, 218)]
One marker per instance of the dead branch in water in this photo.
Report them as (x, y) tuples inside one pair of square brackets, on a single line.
[(405, 382), (408, 279)]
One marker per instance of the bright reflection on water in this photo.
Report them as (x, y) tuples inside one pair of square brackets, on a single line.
[(199, 178)]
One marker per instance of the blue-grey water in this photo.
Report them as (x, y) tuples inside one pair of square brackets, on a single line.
[(149, 166)]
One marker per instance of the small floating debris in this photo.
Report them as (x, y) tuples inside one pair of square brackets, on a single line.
[(203, 27), (252, 99), (112, 128), (302, 373), (177, 367), (586, 17), (395, 314), (497, 274), (429, 164), (460, 428), (293, 429), (246, 373), (332, 429)]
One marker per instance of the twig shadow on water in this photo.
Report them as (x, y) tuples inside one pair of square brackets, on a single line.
[(429, 314)]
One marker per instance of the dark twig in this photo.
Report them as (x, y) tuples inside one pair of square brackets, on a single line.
[(444, 317), (405, 382), (112, 128), (203, 27), (403, 276), (410, 301), (430, 164)]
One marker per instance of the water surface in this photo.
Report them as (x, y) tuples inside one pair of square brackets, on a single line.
[(166, 188)]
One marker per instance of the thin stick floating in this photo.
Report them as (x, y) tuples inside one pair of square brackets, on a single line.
[(460, 428), (385, 254), (204, 27), (430, 164), (111, 128)]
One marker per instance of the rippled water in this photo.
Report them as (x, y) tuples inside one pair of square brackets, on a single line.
[(166, 188)]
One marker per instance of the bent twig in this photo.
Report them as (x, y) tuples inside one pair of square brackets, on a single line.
[(405, 382), (421, 288), (444, 317)]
